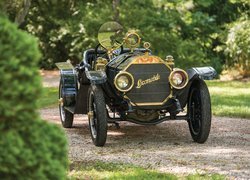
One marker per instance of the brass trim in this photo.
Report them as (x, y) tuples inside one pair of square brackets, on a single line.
[(60, 101), (171, 75), (128, 43), (146, 45), (90, 115), (151, 103), (170, 60), (155, 60), (119, 74), (101, 63)]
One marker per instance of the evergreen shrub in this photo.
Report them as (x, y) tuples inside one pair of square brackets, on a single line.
[(30, 148)]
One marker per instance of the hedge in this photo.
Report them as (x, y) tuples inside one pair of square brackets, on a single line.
[(30, 148)]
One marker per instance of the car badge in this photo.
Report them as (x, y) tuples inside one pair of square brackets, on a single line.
[(141, 82)]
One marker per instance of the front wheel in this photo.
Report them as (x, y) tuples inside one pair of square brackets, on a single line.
[(97, 115), (66, 116), (199, 111)]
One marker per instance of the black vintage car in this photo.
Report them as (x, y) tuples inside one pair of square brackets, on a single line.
[(118, 81)]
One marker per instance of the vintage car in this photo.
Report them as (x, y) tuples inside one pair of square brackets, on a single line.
[(118, 81)]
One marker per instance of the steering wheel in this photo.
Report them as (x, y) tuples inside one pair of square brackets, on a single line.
[(99, 49)]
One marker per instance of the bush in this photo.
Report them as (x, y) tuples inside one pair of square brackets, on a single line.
[(238, 43), (29, 147)]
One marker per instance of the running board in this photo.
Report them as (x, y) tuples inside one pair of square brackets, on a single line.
[(70, 109)]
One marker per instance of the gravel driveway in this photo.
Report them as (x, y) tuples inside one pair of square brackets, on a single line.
[(167, 147)]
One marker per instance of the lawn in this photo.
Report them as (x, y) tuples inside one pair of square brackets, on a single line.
[(230, 98), (49, 97), (103, 170)]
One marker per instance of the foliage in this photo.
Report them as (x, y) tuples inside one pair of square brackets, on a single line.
[(230, 98), (49, 28), (193, 31), (238, 46), (29, 147), (16, 10), (33, 150), (188, 30), (64, 37)]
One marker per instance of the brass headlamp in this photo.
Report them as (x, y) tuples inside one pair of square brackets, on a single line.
[(178, 78), (124, 81)]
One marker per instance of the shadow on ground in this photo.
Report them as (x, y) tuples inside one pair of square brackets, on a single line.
[(167, 146)]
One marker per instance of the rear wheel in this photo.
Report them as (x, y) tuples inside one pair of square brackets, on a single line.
[(199, 111), (66, 116), (97, 115)]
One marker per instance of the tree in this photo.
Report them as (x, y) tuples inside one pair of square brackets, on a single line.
[(193, 31), (16, 10)]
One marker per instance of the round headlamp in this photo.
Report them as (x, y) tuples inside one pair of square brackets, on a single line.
[(124, 81), (178, 78)]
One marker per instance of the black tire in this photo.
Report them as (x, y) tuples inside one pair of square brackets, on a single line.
[(199, 111), (97, 115), (65, 116)]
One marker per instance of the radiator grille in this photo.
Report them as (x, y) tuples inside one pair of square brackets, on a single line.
[(151, 84)]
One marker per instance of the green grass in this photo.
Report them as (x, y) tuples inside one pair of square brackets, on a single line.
[(231, 98), (49, 97), (101, 170)]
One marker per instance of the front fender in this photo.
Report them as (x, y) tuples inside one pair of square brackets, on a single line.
[(96, 77), (194, 75), (69, 87), (205, 73), (68, 81)]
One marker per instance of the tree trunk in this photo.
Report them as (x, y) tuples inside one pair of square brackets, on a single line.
[(20, 16), (115, 4)]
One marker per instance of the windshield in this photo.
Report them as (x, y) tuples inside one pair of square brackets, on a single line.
[(111, 35)]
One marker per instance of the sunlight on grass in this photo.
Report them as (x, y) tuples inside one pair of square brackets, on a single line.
[(102, 170), (230, 98), (232, 91), (233, 84), (49, 97)]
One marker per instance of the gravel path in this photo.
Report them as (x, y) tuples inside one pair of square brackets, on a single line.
[(50, 78), (167, 147)]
